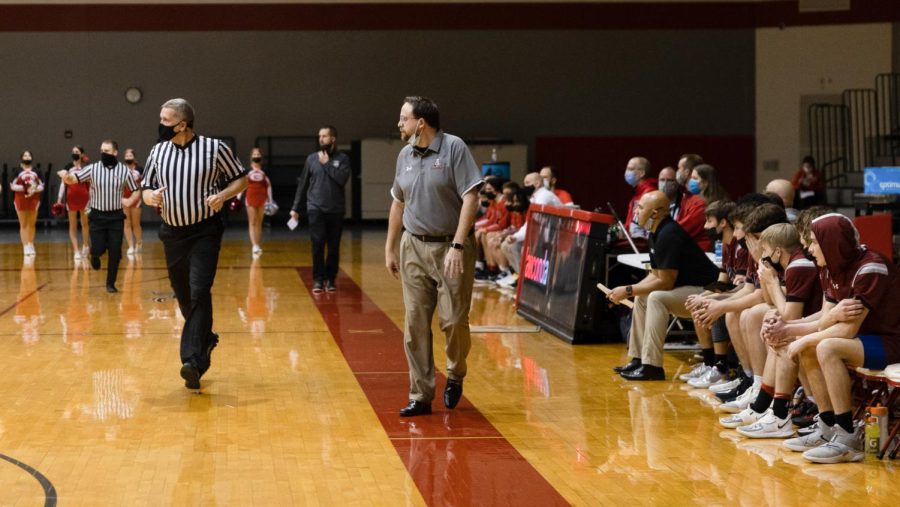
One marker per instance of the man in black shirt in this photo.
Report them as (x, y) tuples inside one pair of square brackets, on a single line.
[(320, 194), (679, 268)]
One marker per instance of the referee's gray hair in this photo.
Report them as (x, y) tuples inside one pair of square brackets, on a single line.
[(183, 109)]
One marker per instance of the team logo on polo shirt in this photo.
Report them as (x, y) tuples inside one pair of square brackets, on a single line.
[(336, 163), (437, 164)]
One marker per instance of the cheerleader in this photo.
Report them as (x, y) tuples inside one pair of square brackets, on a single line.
[(28, 188), (77, 196), (259, 192), (133, 232)]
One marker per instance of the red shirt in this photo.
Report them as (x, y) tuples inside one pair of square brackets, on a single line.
[(516, 219), (564, 197), (814, 183), (801, 283), (692, 218)]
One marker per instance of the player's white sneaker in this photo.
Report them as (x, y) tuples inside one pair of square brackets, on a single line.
[(698, 371), (742, 418), (741, 402), (821, 436), (844, 447), (768, 427), (707, 379), (724, 385)]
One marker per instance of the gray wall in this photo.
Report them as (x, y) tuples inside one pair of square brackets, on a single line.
[(516, 84)]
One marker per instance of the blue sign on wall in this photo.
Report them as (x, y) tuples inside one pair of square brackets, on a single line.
[(882, 180)]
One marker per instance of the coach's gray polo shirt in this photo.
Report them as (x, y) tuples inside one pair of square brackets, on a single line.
[(431, 185)]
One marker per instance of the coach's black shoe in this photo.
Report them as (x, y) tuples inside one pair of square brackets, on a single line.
[(415, 408), (452, 393), (111, 288), (191, 376), (632, 365), (95, 262), (329, 286), (317, 287), (645, 372)]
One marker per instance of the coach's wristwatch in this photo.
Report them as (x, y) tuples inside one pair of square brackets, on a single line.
[(456, 246), (629, 290)]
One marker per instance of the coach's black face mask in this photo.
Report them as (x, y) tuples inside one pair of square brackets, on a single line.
[(166, 133)]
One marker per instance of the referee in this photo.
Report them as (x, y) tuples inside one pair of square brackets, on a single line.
[(181, 177), (107, 220)]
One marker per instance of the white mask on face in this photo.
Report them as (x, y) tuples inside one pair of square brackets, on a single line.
[(414, 138), (547, 183)]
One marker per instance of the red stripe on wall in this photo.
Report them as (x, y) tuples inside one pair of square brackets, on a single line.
[(592, 169), (455, 457), (474, 16)]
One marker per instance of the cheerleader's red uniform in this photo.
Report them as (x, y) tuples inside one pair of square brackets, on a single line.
[(127, 193), (23, 202), (77, 194), (257, 188)]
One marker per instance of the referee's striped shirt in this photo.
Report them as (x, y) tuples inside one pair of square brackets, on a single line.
[(108, 185), (190, 174)]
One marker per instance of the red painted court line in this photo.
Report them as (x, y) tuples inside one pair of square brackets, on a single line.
[(456, 457), (32, 293)]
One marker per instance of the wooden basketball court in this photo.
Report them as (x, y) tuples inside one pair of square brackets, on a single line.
[(300, 405)]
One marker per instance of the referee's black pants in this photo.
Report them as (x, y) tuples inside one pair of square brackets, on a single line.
[(192, 255), (325, 229), (106, 231)]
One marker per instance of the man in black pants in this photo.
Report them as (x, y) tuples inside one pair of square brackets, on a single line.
[(181, 178), (107, 220), (320, 193)]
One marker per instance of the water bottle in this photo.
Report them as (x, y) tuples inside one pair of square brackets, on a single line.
[(879, 417), (718, 251), (494, 154), (873, 435)]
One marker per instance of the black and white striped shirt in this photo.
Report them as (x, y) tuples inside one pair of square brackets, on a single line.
[(190, 174), (108, 185)]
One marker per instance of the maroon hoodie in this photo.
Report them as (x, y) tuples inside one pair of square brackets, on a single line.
[(853, 271)]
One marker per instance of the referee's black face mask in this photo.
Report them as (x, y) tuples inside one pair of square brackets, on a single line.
[(108, 159), (166, 133)]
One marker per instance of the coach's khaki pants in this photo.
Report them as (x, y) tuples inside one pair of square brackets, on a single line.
[(424, 288), (650, 320)]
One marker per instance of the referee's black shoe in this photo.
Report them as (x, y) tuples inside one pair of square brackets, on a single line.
[(95, 262), (213, 341), (415, 408), (111, 288), (452, 393), (191, 375)]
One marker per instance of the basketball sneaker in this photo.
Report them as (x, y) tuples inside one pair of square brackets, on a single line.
[(742, 418), (698, 371), (821, 436), (768, 426), (844, 447)]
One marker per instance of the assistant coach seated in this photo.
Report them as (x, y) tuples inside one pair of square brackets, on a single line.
[(678, 269)]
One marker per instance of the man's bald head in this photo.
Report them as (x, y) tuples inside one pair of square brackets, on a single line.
[(655, 200), (783, 189), (651, 209), (533, 180)]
